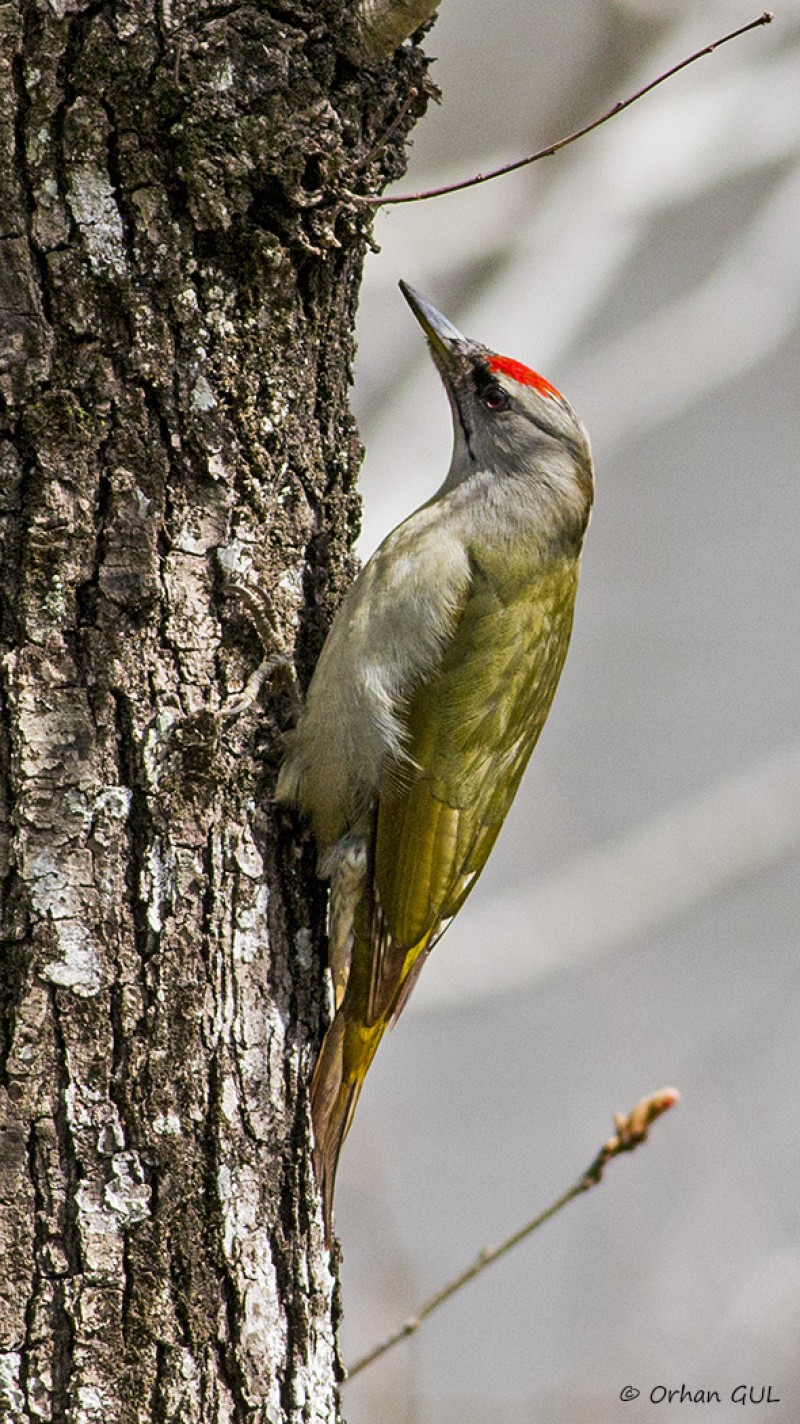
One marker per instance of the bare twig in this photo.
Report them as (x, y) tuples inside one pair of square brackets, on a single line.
[(374, 201), (391, 131), (631, 1130)]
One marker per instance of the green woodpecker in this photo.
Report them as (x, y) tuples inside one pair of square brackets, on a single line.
[(429, 696)]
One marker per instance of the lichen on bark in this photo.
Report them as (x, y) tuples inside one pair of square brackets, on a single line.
[(178, 280)]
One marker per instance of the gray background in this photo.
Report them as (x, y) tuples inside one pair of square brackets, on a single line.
[(638, 922)]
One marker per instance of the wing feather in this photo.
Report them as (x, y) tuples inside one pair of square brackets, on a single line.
[(470, 731)]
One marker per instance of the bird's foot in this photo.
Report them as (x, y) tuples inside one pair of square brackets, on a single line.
[(276, 662)]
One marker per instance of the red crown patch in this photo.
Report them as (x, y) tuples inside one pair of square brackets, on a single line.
[(526, 377)]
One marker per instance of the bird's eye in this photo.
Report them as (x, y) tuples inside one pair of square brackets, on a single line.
[(495, 398)]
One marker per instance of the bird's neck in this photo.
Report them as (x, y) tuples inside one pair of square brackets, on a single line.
[(524, 523)]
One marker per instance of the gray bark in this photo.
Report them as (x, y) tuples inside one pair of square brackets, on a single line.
[(177, 293)]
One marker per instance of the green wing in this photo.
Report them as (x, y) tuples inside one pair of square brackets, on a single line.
[(471, 730)]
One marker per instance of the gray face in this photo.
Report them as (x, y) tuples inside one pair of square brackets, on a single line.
[(506, 419)]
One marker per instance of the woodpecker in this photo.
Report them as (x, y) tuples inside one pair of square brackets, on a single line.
[(429, 696)]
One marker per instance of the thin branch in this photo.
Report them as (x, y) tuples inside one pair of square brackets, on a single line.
[(372, 200), (632, 1130), (391, 131)]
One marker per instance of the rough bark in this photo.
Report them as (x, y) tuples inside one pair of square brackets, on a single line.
[(177, 292)]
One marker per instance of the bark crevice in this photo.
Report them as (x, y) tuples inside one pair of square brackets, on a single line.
[(176, 309)]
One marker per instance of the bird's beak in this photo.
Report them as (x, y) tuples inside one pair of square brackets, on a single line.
[(445, 339)]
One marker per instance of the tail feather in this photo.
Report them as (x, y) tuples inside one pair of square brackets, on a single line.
[(338, 1077), (379, 979)]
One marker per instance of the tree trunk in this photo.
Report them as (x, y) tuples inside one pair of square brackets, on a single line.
[(177, 293)]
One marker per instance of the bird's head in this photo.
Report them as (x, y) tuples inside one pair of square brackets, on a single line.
[(508, 421)]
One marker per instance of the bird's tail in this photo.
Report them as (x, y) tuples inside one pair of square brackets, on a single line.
[(346, 1053)]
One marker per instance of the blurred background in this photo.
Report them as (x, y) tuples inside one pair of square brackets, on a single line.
[(638, 923)]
